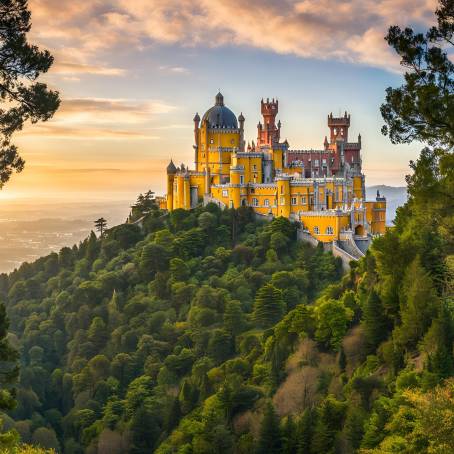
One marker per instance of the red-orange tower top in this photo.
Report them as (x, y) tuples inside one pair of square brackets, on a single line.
[(339, 127), (269, 133)]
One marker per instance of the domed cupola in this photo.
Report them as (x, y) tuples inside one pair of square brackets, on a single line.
[(220, 116)]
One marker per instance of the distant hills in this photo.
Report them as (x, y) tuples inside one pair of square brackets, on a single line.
[(396, 196)]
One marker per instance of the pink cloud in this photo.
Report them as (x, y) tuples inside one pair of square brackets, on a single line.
[(346, 30)]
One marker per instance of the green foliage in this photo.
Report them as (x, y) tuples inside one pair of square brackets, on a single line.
[(422, 108), (174, 336), (22, 97), (146, 334), (374, 320), (270, 438), (332, 319), (269, 305)]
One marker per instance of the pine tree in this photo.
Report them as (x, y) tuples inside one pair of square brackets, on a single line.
[(233, 317), (329, 421), (289, 436), (270, 438), (101, 225), (22, 98), (8, 364), (419, 304), (374, 320), (92, 247), (269, 305), (305, 431)]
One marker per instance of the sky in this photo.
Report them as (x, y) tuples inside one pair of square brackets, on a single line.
[(132, 73)]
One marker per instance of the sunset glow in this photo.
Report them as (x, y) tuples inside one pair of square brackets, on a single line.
[(132, 74)]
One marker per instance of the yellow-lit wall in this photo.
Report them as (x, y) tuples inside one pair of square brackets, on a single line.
[(252, 168), (336, 222), (376, 216), (358, 187), (209, 141)]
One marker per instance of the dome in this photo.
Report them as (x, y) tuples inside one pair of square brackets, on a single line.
[(220, 116), (171, 169)]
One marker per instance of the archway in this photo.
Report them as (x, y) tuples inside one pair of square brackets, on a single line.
[(359, 230)]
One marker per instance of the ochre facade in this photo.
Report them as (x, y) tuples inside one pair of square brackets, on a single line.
[(322, 189)]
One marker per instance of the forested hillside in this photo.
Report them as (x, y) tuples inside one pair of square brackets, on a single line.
[(125, 336), (208, 331)]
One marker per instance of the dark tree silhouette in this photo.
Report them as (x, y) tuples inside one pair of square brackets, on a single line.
[(21, 97), (423, 108), (101, 225)]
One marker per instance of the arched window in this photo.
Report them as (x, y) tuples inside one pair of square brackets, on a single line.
[(329, 230), (316, 230), (255, 202), (266, 202)]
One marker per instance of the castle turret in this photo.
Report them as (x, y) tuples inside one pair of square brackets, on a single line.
[(171, 171), (241, 122), (196, 137), (339, 127), (269, 133)]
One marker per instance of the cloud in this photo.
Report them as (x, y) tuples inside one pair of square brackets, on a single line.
[(66, 67), (346, 30), (174, 69), (65, 132), (102, 119)]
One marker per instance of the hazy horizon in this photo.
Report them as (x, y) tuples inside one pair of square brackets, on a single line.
[(132, 78)]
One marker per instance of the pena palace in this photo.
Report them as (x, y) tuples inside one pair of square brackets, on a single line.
[(322, 189)]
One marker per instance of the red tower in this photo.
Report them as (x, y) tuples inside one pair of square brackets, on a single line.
[(339, 127), (269, 133)]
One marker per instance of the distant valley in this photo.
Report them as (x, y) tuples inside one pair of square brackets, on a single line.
[(29, 231)]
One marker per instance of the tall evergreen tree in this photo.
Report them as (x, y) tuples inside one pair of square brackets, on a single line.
[(21, 96), (374, 320), (270, 438), (101, 225), (305, 431), (269, 305), (9, 369), (419, 304)]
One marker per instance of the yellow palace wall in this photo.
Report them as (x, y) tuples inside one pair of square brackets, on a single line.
[(376, 216), (334, 221)]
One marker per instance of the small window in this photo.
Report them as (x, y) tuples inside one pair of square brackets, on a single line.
[(316, 230), (293, 200), (266, 202), (225, 193), (303, 200), (241, 179), (329, 230), (232, 141), (316, 163), (324, 162), (211, 140), (282, 200), (254, 167), (255, 202)]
